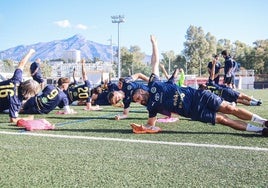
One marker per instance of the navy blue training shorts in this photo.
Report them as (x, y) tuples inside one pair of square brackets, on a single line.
[(205, 106)]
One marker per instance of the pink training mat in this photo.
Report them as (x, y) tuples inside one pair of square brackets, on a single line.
[(167, 120), (36, 124)]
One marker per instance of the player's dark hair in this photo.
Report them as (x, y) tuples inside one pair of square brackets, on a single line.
[(63, 80), (110, 96), (224, 52)]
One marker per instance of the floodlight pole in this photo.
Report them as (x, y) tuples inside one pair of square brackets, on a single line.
[(118, 19), (112, 52)]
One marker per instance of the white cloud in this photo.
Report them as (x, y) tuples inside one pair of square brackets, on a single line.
[(81, 26), (67, 24), (63, 23)]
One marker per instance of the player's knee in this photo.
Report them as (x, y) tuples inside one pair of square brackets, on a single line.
[(230, 109), (222, 119)]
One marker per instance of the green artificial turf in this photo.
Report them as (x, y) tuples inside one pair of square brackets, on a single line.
[(91, 149)]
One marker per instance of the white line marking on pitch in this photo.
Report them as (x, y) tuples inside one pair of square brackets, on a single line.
[(137, 141)]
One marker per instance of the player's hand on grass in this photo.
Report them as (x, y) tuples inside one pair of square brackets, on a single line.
[(117, 117), (93, 108), (64, 112)]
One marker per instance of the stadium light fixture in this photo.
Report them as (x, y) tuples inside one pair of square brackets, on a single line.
[(118, 19)]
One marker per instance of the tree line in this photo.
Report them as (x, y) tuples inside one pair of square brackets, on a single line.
[(199, 48)]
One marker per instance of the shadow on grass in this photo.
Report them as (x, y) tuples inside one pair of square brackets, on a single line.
[(115, 111), (77, 118), (120, 111), (139, 112), (135, 118), (121, 131), (80, 118), (11, 127)]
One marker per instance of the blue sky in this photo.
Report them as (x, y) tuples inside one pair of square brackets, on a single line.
[(25, 22)]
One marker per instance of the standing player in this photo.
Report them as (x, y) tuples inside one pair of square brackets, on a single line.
[(181, 80), (216, 70), (228, 68)]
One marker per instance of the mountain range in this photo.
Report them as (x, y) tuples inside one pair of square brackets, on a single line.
[(54, 49)]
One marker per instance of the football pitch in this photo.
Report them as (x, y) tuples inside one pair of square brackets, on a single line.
[(91, 149)]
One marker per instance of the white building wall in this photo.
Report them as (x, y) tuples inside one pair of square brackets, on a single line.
[(72, 56)]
